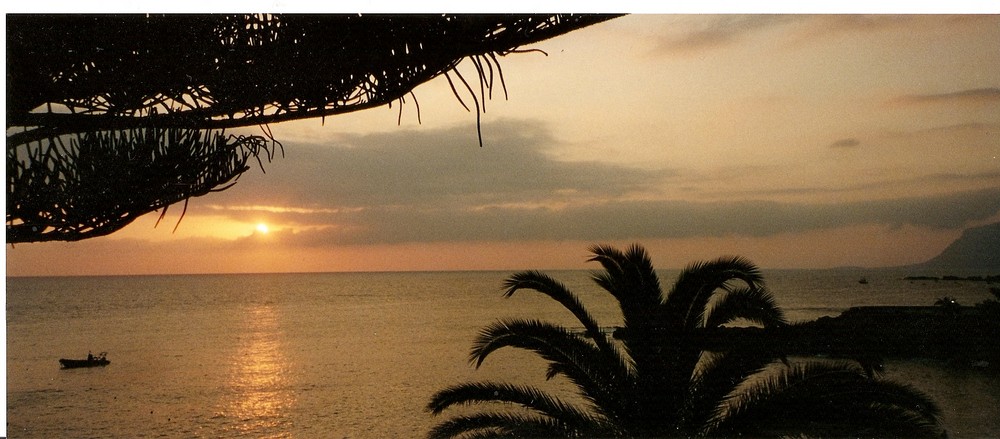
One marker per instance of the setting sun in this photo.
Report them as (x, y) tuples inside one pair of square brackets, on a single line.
[(262, 228)]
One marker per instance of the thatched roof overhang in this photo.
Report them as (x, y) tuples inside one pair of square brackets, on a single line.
[(142, 99)]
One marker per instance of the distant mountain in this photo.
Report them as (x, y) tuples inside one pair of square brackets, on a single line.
[(978, 250)]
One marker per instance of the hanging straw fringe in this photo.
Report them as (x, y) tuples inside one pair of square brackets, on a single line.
[(143, 99), (104, 180)]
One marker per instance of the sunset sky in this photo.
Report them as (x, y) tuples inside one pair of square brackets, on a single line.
[(799, 141)]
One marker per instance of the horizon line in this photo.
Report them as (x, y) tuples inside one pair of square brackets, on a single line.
[(471, 270)]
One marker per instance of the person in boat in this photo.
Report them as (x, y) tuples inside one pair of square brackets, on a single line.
[(90, 356)]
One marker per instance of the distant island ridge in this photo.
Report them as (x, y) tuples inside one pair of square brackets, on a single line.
[(977, 251)]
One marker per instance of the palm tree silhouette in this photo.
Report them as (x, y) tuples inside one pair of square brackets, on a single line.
[(656, 380)]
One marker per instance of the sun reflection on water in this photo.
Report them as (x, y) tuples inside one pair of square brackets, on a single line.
[(259, 394)]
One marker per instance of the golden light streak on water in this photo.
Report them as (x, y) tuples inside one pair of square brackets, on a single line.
[(260, 395)]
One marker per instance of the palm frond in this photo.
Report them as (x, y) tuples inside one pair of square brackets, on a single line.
[(683, 372), (71, 189), (698, 282), (609, 257), (487, 433), (641, 264), (820, 396), (558, 291), (601, 378), (754, 304), (646, 336), (718, 374), (500, 425), (629, 277), (528, 397), (74, 74), (889, 421), (542, 337), (663, 359)]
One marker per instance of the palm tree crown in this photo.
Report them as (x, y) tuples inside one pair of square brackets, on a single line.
[(654, 379)]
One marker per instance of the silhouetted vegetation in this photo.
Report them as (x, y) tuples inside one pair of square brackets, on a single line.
[(133, 108), (991, 308), (961, 336), (993, 303), (948, 303), (659, 380)]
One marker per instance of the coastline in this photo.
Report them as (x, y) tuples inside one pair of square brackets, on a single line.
[(960, 336)]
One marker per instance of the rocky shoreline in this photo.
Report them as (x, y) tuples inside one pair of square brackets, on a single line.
[(957, 334), (962, 336)]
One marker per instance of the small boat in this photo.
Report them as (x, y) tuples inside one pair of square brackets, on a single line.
[(91, 361), (863, 281)]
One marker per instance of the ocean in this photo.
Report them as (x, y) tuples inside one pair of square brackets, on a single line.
[(346, 355)]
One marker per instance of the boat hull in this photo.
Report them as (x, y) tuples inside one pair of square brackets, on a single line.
[(73, 364)]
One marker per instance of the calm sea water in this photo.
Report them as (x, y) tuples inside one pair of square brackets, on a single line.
[(342, 355)]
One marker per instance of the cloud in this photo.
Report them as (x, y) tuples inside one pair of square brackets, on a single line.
[(918, 28), (846, 143), (271, 209), (976, 96), (715, 31), (699, 33), (623, 219), (937, 180), (437, 168), (439, 186), (387, 228), (825, 26)]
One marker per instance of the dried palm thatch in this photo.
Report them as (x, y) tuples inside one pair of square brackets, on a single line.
[(103, 180), (142, 100)]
